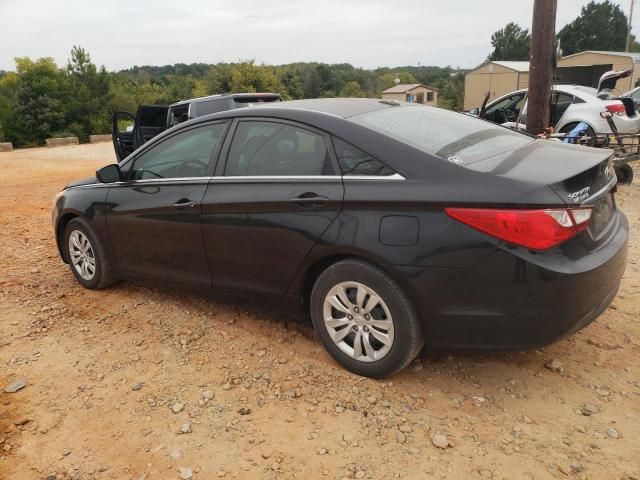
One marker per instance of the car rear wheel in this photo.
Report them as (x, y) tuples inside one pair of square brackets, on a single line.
[(364, 319), (86, 256), (589, 132), (624, 174)]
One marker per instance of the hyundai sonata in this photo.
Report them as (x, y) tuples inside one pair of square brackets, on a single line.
[(391, 225)]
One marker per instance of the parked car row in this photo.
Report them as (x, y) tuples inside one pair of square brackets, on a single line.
[(391, 225)]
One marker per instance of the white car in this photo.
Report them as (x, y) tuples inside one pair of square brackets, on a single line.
[(570, 104)]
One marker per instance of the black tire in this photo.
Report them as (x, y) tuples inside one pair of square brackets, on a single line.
[(624, 174), (102, 276), (408, 337)]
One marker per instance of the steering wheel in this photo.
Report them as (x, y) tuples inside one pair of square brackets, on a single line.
[(191, 168), (508, 115)]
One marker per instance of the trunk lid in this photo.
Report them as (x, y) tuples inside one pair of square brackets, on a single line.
[(580, 176), (609, 79)]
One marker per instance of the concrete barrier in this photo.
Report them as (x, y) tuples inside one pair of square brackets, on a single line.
[(61, 141), (6, 147), (99, 138)]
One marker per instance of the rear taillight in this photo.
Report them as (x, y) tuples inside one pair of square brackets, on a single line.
[(617, 108), (534, 229)]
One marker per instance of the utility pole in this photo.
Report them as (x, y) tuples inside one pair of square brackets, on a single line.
[(543, 61), (626, 48)]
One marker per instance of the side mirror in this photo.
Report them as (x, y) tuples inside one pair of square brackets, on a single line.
[(474, 111), (109, 174)]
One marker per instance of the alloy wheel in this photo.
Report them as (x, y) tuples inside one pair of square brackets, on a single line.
[(82, 255), (358, 321)]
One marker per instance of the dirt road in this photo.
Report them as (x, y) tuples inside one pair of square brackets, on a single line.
[(144, 384)]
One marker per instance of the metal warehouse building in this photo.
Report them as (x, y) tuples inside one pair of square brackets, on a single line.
[(498, 78), (584, 68)]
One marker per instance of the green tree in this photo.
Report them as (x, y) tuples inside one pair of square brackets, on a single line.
[(451, 93), (217, 78), (40, 108), (510, 43), (40, 100), (88, 96), (122, 94), (600, 26), (249, 77), (290, 84), (8, 101), (352, 90), (312, 84)]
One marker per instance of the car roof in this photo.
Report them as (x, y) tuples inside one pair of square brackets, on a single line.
[(583, 92), (338, 107)]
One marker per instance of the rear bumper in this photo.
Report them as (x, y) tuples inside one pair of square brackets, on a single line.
[(515, 300), (626, 124)]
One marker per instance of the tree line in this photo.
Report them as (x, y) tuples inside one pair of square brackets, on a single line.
[(41, 100), (600, 26)]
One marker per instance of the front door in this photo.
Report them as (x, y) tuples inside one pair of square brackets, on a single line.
[(154, 217), (506, 109), (272, 200), (122, 134)]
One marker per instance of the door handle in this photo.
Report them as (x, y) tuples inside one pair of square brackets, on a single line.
[(185, 204), (310, 200)]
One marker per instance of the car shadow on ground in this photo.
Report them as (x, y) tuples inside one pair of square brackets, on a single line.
[(260, 318)]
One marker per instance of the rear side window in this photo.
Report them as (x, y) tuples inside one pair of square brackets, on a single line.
[(210, 106), (560, 101), (277, 149), (461, 138), (354, 161)]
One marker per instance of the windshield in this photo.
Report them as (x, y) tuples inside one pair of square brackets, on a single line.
[(459, 138)]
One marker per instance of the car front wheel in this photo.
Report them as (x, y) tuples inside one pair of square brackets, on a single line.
[(364, 319), (86, 256)]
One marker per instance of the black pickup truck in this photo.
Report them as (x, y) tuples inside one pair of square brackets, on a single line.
[(150, 120)]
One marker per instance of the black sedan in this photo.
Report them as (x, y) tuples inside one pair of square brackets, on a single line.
[(390, 224)]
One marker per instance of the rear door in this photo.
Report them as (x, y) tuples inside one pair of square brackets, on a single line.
[(560, 102), (268, 204), (154, 217), (151, 120)]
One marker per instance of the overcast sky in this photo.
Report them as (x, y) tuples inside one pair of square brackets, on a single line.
[(366, 33)]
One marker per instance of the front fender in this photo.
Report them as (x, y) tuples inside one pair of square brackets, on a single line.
[(87, 202)]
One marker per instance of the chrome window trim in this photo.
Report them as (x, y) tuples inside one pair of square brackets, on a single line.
[(247, 178), (164, 180), (280, 178), (395, 176), (274, 178)]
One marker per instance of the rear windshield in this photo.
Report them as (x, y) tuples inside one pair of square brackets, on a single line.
[(457, 137), (200, 109)]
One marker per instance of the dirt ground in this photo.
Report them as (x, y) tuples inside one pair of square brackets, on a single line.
[(143, 383)]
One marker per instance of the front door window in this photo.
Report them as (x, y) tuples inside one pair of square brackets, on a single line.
[(184, 155)]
